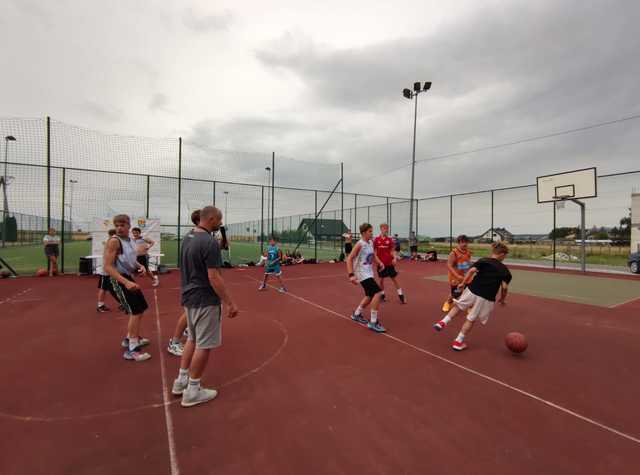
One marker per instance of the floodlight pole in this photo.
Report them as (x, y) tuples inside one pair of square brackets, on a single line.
[(409, 94), (583, 234)]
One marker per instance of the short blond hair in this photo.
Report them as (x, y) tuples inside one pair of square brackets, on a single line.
[(500, 248)]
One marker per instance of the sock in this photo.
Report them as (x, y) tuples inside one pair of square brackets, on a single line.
[(399, 291), (133, 343), (194, 384), (358, 311), (100, 304), (374, 316), (460, 337), (382, 294), (446, 319), (183, 375)]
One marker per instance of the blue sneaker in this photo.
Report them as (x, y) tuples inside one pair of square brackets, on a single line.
[(376, 327), (359, 319)]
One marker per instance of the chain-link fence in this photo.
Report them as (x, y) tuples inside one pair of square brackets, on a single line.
[(65, 177)]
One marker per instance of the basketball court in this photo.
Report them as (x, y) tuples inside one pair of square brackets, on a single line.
[(304, 389)]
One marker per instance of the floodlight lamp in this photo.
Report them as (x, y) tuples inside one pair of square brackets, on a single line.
[(406, 93), (427, 86), (10, 138), (417, 86)]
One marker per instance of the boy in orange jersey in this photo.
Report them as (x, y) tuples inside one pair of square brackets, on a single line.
[(458, 263)]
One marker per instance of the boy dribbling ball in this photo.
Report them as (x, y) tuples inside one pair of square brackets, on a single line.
[(360, 268), (272, 266), (485, 279)]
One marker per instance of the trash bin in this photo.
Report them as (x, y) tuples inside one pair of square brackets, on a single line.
[(86, 266)]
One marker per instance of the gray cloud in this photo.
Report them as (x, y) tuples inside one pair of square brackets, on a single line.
[(101, 111), (207, 23), (158, 102)]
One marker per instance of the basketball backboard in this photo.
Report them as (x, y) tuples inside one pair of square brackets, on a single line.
[(576, 184)]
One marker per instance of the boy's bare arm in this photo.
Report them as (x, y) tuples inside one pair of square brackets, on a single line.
[(469, 277), (504, 290)]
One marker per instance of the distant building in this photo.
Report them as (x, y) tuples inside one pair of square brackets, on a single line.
[(495, 235)]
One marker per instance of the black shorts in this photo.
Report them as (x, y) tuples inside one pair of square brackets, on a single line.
[(456, 292), (388, 271), (133, 302), (50, 251), (413, 249), (370, 287), (348, 247), (144, 261), (104, 282)]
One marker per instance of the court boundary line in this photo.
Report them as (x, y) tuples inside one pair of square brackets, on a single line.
[(486, 377), (173, 458)]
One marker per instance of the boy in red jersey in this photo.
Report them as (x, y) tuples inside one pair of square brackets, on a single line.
[(384, 247)]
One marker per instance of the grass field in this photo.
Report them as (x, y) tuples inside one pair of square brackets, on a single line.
[(27, 259)]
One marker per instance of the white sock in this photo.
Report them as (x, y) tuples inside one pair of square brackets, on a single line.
[(374, 316), (446, 319), (358, 310), (194, 384), (399, 291), (100, 304), (183, 375), (460, 337), (133, 343)]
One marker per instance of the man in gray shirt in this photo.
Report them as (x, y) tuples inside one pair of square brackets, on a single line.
[(202, 292)]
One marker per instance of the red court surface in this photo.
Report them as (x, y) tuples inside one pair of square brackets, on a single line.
[(303, 390)]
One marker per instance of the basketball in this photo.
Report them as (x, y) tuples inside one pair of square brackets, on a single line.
[(42, 273), (516, 342)]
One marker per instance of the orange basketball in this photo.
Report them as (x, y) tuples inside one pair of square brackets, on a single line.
[(516, 342), (42, 273)]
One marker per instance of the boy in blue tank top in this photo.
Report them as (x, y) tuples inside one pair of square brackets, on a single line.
[(272, 266)]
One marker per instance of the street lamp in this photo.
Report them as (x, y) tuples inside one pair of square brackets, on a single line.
[(3, 182), (73, 182), (409, 94)]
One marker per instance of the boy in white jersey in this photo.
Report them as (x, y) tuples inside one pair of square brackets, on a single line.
[(360, 267)]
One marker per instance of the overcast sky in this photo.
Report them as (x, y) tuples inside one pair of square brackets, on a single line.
[(322, 81)]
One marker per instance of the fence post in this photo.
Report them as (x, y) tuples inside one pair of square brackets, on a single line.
[(450, 223), (48, 172), (492, 224), (388, 214), (179, 196), (341, 195), (553, 249), (273, 183), (368, 214), (417, 220), (214, 194), (315, 227), (261, 219), (355, 211), (64, 179), (147, 206)]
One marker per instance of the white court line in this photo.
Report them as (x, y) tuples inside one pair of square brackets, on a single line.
[(479, 374), (15, 296), (624, 303), (173, 458)]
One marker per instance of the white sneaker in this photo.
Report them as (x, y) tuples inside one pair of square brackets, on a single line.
[(136, 356), (193, 397), (175, 348), (179, 387)]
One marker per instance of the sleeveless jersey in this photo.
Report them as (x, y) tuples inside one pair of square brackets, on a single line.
[(462, 262), (363, 268), (127, 259)]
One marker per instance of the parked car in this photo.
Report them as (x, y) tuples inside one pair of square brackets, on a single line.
[(634, 262)]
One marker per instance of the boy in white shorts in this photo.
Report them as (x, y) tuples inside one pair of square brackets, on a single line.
[(485, 279), (360, 268)]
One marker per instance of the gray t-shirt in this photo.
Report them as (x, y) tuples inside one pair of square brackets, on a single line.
[(200, 252)]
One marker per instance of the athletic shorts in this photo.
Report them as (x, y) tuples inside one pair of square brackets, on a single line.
[(50, 251), (133, 302), (348, 247), (273, 270), (143, 260), (205, 326), (413, 249), (388, 271), (370, 287), (480, 308), (104, 282)]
